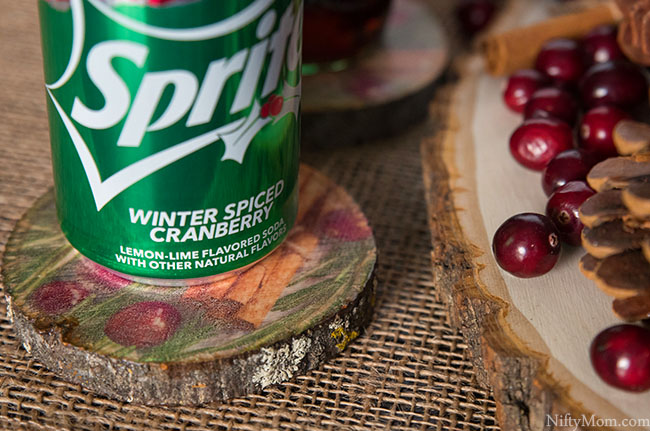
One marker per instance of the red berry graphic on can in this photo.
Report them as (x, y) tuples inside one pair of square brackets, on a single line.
[(276, 105)]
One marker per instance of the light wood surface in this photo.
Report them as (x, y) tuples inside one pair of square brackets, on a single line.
[(531, 336)]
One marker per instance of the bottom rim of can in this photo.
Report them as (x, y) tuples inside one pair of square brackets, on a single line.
[(180, 282)]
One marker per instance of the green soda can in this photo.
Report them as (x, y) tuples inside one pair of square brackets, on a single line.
[(175, 131)]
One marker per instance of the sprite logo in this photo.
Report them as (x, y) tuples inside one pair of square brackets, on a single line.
[(165, 98)]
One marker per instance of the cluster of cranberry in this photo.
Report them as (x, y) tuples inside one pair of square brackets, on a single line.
[(570, 75)]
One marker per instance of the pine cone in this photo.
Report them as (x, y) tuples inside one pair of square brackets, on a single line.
[(617, 223)]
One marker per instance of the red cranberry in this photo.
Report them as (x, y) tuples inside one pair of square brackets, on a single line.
[(538, 140), (520, 87), (597, 127), (526, 245), (620, 355), (613, 83), (474, 15), (552, 102), (569, 165), (57, 297), (561, 59), (600, 45), (143, 324), (346, 225), (563, 208)]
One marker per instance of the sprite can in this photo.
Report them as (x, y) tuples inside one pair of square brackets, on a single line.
[(175, 131)]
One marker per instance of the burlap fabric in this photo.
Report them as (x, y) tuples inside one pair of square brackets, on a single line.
[(410, 370)]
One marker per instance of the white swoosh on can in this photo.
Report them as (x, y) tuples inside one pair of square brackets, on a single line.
[(211, 31), (78, 34), (105, 190)]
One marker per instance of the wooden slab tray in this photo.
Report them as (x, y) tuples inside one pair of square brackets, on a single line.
[(254, 327), (529, 337)]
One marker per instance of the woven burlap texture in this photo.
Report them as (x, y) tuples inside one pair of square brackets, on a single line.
[(409, 370)]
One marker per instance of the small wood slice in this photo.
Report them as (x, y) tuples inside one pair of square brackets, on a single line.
[(383, 91), (258, 326)]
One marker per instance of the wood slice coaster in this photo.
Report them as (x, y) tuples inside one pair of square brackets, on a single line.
[(529, 338), (384, 90), (255, 327)]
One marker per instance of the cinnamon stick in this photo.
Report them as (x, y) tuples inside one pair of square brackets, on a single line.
[(516, 49)]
